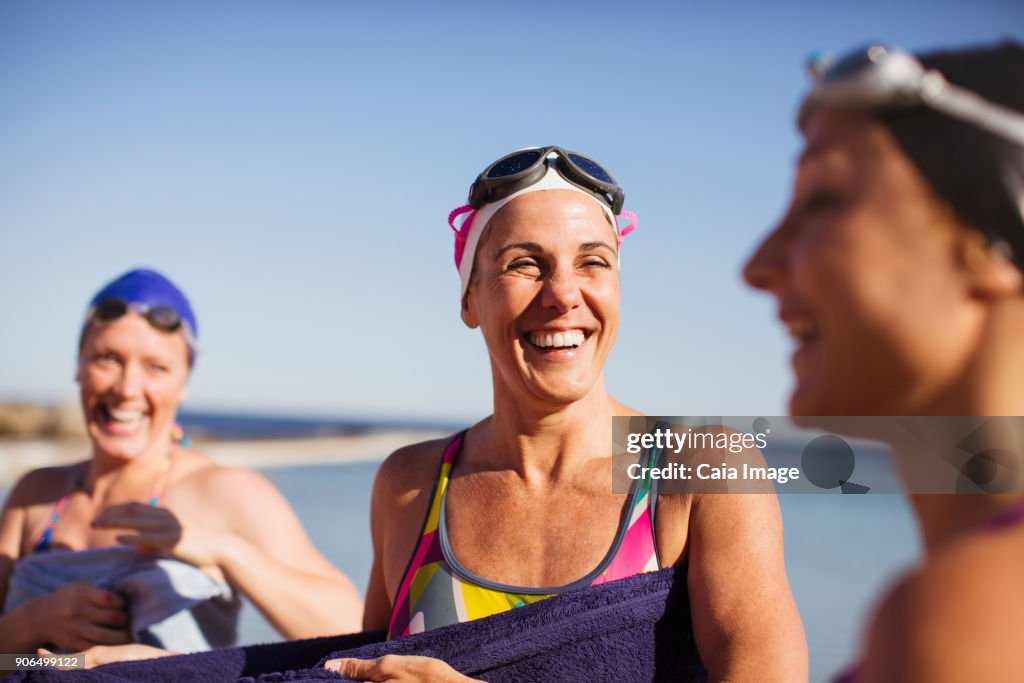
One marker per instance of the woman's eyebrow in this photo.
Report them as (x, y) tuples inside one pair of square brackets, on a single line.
[(590, 246), (531, 247)]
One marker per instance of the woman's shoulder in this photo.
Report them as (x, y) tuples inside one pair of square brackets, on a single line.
[(411, 467), (962, 610), (978, 572), (195, 476), (44, 485)]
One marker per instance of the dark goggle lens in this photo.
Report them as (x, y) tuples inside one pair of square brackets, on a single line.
[(592, 168), (109, 310), (853, 63), (514, 163), (163, 318)]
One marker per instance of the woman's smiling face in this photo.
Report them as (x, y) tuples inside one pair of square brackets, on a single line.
[(865, 269), (132, 377), (545, 294)]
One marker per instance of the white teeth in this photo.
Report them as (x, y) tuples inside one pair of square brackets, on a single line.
[(567, 338), (124, 415), (802, 329)]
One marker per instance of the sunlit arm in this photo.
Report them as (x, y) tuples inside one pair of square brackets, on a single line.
[(745, 620), (272, 561)]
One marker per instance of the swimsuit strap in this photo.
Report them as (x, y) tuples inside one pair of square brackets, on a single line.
[(161, 479), (1007, 518), (436, 590), (46, 535)]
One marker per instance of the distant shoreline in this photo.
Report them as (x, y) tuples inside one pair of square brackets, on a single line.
[(18, 456), (63, 420)]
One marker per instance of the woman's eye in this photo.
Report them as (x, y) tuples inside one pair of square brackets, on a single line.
[(821, 200), (595, 262), (106, 358), (158, 368), (522, 264)]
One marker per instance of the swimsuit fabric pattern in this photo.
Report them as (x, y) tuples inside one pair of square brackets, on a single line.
[(436, 590)]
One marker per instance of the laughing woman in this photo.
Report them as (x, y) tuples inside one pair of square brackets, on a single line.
[(146, 546), (520, 506), (898, 267)]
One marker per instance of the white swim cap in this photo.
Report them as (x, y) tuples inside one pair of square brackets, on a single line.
[(473, 226)]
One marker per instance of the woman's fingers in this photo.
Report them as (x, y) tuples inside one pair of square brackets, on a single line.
[(152, 539), (102, 635), (395, 668), (356, 669), (102, 616), (103, 599), (135, 516)]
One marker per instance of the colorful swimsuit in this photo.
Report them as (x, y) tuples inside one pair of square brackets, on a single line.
[(436, 590), (42, 543)]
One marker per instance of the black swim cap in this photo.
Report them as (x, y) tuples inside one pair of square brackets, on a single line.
[(980, 174)]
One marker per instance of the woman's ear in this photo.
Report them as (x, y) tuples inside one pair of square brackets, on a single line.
[(989, 271), (469, 316)]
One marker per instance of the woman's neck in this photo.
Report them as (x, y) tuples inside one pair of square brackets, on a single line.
[(108, 474), (991, 385), (992, 379), (544, 442)]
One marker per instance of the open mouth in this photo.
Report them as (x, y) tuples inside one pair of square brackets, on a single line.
[(803, 330), (120, 421), (560, 340), (806, 332)]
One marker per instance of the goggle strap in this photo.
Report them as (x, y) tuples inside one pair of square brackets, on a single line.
[(968, 106), (462, 231), (629, 227), (455, 213)]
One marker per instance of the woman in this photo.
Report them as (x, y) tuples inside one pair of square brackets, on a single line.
[(520, 506), (897, 269), (149, 542)]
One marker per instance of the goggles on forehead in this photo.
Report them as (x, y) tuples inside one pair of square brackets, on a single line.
[(162, 318), (883, 77), (518, 170)]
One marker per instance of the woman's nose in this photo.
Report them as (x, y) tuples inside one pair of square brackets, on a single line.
[(561, 291), (765, 267), (129, 384)]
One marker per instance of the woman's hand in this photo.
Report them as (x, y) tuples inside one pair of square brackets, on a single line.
[(78, 616), (160, 530), (396, 669), (99, 655)]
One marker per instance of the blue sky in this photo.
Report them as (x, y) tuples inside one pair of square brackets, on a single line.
[(291, 166)]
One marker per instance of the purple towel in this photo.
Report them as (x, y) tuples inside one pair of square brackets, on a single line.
[(636, 629)]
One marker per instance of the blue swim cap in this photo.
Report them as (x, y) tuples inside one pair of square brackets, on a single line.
[(148, 289)]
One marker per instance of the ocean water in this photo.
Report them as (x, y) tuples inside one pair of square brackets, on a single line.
[(841, 551)]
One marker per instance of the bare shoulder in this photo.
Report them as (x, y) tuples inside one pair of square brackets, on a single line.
[(198, 473), (44, 485), (398, 507), (30, 503), (404, 473), (958, 618), (201, 483)]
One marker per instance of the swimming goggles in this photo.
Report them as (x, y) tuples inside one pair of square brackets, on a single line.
[(162, 318), (879, 76), (513, 172)]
